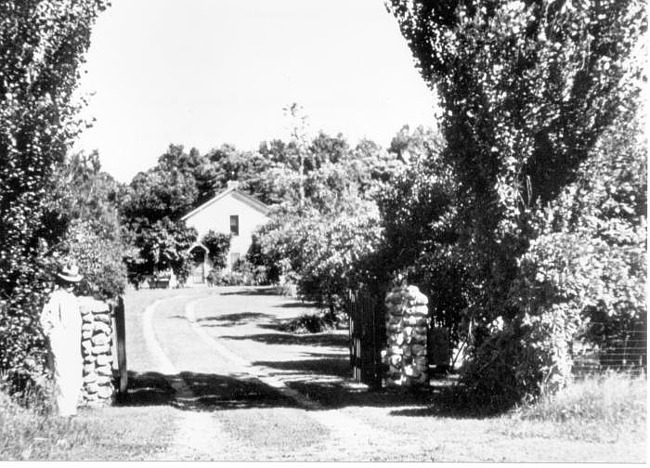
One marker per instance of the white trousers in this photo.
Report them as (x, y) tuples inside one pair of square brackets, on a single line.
[(67, 373)]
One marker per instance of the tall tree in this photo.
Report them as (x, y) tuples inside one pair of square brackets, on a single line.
[(42, 45), (151, 208), (527, 89)]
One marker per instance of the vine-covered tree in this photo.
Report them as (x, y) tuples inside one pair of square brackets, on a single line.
[(42, 45), (527, 89), (218, 245)]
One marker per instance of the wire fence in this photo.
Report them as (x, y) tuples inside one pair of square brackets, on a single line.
[(626, 350)]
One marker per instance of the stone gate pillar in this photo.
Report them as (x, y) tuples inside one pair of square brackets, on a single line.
[(97, 352), (407, 325)]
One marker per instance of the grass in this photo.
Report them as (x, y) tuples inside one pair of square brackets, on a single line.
[(95, 434), (273, 429), (602, 408)]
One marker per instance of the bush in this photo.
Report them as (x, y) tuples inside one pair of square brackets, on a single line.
[(218, 245), (83, 209), (214, 277), (510, 365), (229, 278), (161, 246), (256, 275), (234, 278), (321, 253), (309, 323), (99, 260), (267, 271)]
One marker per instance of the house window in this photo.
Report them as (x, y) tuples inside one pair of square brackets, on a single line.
[(234, 225)]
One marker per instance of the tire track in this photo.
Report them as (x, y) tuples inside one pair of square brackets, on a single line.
[(244, 367), (198, 433)]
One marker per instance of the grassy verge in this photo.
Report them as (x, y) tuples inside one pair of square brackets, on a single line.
[(111, 433), (605, 408)]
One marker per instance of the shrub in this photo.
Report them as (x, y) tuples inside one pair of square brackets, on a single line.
[(159, 247), (233, 279), (218, 245), (267, 270), (99, 259), (229, 278), (214, 277), (309, 323), (321, 253)]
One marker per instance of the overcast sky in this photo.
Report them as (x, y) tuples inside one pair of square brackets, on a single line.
[(206, 72)]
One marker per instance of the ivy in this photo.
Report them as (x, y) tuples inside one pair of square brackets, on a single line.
[(528, 90), (42, 43)]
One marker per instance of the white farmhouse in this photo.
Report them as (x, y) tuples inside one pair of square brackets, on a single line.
[(230, 212)]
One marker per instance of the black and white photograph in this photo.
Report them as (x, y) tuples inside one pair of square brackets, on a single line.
[(369, 231)]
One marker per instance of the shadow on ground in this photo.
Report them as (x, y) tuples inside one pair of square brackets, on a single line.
[(296, 305), (218, 392), (321, 365), (212, 392), (231, 320), (308, 339), (257, 291), (147, 389)]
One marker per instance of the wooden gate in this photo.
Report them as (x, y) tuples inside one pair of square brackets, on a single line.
[(438, 350), (120, 341), (367, 337)]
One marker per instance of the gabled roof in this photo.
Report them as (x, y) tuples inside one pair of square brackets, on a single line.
[(236, 194)]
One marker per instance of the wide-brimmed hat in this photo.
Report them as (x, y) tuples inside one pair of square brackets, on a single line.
[(70, 273)]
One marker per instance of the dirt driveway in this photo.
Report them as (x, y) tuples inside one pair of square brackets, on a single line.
[(244, 390)]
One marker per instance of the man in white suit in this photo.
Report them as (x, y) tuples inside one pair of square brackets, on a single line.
[(61, 322)]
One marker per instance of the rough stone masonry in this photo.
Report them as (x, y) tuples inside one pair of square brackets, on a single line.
[(97, 352), (407, 323)]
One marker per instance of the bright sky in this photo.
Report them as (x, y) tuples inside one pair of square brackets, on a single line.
[(206, 72)]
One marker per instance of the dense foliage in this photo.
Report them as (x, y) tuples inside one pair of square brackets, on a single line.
[(321, 242), (42, 44), (84, 209), (418, 217), (528, 89), (159, 248), (218, 245), (324, 217), (151, 207)]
